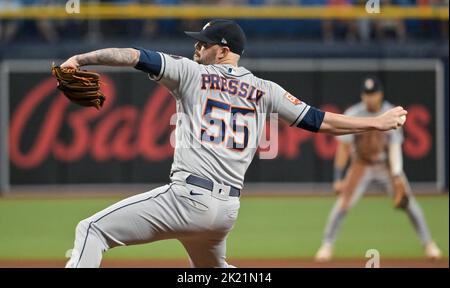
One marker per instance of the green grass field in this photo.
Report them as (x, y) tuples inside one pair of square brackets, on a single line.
[(289, 227)]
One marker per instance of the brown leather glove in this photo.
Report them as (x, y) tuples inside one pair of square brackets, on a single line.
[(79, 86)]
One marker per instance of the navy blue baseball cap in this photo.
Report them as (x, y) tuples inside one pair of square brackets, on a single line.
[(222, 32), (371, 84)]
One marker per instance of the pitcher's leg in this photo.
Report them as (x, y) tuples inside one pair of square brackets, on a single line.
[(141, 218), (89, 241), (206, 251)]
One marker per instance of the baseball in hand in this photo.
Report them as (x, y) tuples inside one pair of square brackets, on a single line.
[(402, 120)]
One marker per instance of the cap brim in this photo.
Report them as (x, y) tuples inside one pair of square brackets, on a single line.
[(199, 37)]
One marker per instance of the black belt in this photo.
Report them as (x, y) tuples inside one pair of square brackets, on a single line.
[(208, 185)]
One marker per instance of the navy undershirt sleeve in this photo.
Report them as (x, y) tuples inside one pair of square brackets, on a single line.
[(149, 62), (312, 120)]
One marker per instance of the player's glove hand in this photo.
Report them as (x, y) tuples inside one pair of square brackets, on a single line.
[(80, 86), (338, 186), (400, 195)]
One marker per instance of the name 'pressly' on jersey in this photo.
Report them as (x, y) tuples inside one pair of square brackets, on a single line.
[(225, 110)]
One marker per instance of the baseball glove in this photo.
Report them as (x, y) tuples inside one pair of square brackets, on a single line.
[(80, 86)]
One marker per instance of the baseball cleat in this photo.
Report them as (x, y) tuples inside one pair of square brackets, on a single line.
[(432, 251), (324, 254)]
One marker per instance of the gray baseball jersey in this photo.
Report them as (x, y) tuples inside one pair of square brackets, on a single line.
[(222, 112)]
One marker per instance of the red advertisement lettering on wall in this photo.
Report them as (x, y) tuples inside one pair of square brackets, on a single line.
[(418, 139), (121, 133)]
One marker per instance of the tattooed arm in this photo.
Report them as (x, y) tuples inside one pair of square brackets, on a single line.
[(108, 57)]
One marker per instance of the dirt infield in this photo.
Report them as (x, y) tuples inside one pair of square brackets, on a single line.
[(242, 263)]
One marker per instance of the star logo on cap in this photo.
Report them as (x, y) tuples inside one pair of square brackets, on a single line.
[(369, 84), (224, 41)]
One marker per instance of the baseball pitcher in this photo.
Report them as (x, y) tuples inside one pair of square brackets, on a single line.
[(375, 156), (221, 109)]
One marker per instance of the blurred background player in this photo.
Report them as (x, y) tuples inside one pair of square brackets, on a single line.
[(375, 157)]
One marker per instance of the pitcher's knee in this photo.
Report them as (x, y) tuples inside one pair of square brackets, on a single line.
[(83, 227), (87, 228)]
